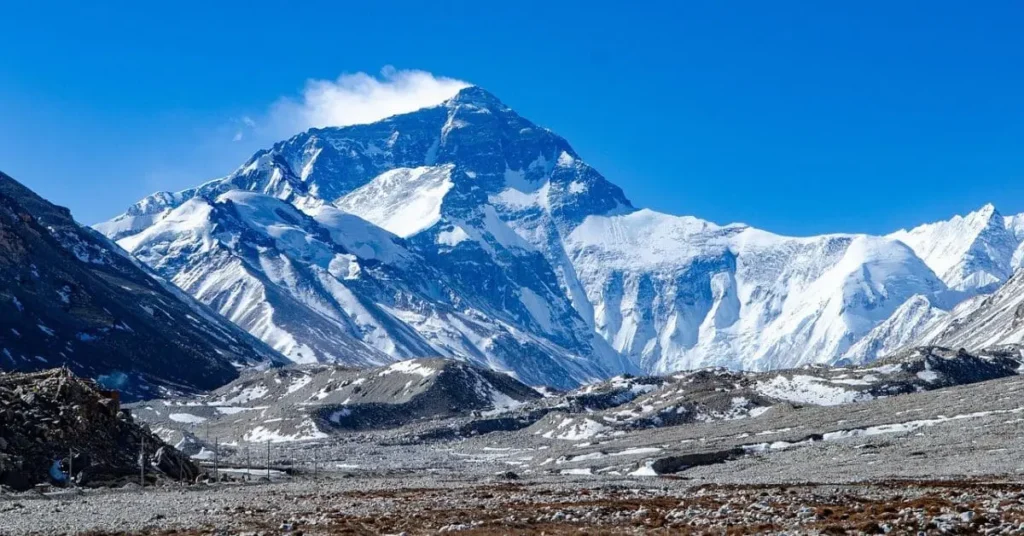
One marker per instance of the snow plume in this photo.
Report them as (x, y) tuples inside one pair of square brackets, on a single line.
[(359, 98)]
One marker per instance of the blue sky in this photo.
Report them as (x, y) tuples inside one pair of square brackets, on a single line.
[(795, 117)]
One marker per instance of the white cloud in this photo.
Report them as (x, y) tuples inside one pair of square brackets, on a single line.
[(357, 98)]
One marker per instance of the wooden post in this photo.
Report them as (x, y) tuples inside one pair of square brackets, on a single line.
[(142, 462), (216, 466)]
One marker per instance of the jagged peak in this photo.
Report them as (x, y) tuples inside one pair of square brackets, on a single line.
[(477, 96), (986, 213), (984, 216)]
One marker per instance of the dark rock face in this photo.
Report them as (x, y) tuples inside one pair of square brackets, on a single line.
[(48, 417), (675, 464), (68, 297)]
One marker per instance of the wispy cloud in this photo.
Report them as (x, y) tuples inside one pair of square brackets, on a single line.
[(352, 99)]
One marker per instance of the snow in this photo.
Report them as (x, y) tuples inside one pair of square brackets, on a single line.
[(538, 309), (604, 288), (186, 418), (802, 389), (305, 431), (244, 396), (907, 325), (969, 252), (637, 451), (675, 293), (645, 470), (408, 367), (404, 201), (299, 383), (577, 187), (500, 402), (453, 237), (910, 426), (566, 160), (362, 238), (575, 430)]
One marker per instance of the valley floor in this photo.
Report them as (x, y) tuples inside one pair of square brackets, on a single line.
[(939, 461), (419, 505)]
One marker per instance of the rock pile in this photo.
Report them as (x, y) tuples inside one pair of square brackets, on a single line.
[(53, 423)]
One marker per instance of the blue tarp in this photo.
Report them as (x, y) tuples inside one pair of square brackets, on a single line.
[(56, 473)]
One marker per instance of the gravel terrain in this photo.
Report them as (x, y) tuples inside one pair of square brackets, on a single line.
[(417, 505), (938, 461)]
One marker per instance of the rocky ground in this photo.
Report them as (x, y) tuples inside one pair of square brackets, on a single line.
[(942, 461), (54, 424), (910, 451), (418, 505)]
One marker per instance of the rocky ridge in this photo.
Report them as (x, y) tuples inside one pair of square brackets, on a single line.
[(52, 417), (69, 297)]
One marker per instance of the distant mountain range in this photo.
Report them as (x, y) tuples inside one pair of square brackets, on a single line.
[(464, 230)]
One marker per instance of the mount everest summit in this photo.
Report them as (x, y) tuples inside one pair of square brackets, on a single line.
[(464, 230)]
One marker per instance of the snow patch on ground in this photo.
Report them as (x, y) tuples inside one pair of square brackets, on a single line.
[(408, 367), (186, 418), (801, 389)]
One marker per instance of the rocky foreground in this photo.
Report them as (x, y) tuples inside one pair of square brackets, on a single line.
[(58, 429), (938, 461), (418, 505)]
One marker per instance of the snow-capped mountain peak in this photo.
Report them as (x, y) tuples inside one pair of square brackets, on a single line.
[(970, 253), (465, 230)]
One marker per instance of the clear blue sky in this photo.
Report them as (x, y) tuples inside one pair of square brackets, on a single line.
[(797, 117)]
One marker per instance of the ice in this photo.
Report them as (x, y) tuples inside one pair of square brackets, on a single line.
[(186, 418)]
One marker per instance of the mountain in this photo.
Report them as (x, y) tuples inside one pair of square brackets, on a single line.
[(71, 298), (625, 405), (437, 399), (464, 230), (907, 326), (677, 293), (455, 278), (984, 321), (977, 252), (310, 401)]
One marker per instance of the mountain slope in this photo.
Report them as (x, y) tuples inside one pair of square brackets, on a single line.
[(679, 293), (984, 321), (426, 176), (907, 326), (310, 401), (971, 253), (70, 298), (503, 247), (333, 288)]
